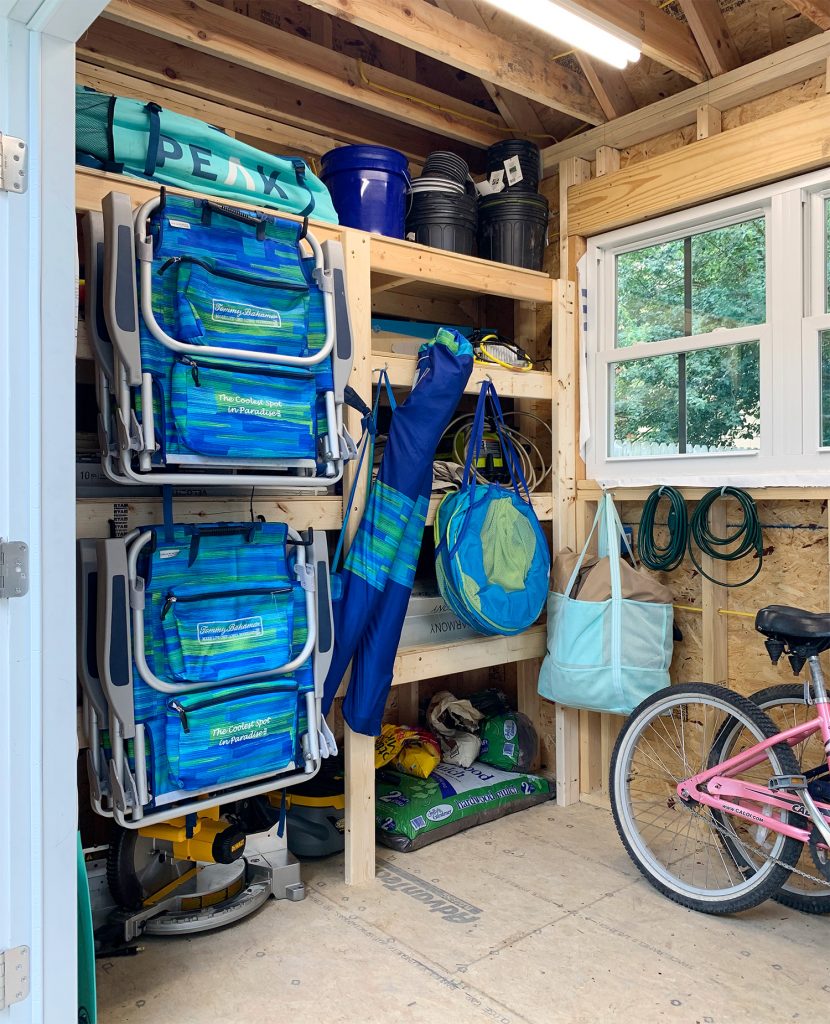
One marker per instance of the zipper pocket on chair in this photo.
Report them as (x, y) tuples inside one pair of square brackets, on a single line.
[(232, 734), (211, 702), (257, 371), (232, 275), (172, 598), (213, 636)]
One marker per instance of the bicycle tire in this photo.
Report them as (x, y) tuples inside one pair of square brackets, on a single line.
[(763, 883), (789, 895)]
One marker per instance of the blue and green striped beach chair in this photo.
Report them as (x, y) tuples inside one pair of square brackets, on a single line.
[(201, 657), (222, 344)]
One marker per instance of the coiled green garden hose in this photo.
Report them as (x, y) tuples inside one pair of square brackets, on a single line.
[(746, 536), (663, 558)]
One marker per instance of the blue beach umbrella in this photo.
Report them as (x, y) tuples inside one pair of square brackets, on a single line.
[(380, 568)]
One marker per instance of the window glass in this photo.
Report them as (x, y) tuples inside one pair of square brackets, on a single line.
[(729, 277), (650, 294), (693, 403), (694, 285)]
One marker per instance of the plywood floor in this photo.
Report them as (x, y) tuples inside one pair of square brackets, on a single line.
[(535, 919)]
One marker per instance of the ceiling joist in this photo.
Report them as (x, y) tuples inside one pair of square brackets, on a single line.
[(202, 26), (518, 112), (712, 34), (525, 69), (609, 87), (663, 38), (171, 66)]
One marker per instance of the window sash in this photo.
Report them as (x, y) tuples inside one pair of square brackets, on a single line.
[(788, 343)]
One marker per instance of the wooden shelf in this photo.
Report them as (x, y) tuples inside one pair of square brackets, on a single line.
[(420, 269), (321, 512), (429, 661), (536, 384)]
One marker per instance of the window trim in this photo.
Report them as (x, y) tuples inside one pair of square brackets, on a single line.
[(794, 226)]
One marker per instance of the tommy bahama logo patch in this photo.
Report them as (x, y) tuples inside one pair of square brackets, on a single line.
[(223, 632), (241, 313)]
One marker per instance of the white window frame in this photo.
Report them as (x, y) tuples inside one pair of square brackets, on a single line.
[(789, 453)]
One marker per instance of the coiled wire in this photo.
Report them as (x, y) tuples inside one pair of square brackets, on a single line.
[(533, 464), (663, 557)]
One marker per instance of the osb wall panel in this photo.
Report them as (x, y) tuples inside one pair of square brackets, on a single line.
[(795, 572)]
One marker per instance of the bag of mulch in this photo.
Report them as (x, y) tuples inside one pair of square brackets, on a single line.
[(509, 741)]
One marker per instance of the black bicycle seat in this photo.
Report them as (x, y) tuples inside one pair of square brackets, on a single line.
[(795, 626)]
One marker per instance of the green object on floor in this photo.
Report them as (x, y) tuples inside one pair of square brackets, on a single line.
[(87, 1011), (411, 813)]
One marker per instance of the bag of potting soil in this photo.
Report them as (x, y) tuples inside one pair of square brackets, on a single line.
[(509, 741), (411, 813)]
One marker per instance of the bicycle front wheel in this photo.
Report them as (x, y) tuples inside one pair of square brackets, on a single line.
[(677, 844)]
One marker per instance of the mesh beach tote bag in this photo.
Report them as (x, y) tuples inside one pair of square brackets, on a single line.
[(605, 655), (492, 560)]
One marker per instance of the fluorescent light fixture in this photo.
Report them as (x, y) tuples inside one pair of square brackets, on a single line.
[(577, 27)]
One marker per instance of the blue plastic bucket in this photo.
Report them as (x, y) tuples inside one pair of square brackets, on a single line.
[(368, 187)]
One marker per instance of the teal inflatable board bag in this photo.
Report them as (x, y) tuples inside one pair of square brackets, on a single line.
[(146, 141)]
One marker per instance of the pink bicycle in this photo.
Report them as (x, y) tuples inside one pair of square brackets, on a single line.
[(722, 801)]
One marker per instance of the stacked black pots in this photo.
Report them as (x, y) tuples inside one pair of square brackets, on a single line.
[(513, 223), (442, 210)]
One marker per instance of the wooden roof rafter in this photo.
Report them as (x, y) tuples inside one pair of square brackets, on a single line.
[(709, 28), (207, 28), (817, 11), (517, 111), (520, 68), (663, 38)]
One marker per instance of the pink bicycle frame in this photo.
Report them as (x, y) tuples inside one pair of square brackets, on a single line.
[(723, 791)]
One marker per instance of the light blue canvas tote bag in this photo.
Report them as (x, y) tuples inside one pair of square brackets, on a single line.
[(605, 655)]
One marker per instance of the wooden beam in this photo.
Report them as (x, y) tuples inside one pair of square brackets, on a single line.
[(663, 38), (170, 65), (609, 87), (203, 26), (709, 28), (606, 161), (817, 11), (525, 69), (797, 63), (772, 148), (709, 121), (263, 129), (517, 111)]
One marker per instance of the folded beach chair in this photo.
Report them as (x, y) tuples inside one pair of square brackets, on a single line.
[(202, 654), (222, 345)]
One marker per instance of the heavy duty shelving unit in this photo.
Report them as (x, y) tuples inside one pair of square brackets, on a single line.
[(383, 274)]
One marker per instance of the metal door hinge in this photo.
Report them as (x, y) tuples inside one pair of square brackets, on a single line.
[(14, 976), (14, 568), (13, 164)]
